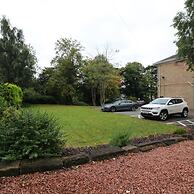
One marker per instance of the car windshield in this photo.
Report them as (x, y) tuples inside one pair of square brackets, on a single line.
[(161, 101)]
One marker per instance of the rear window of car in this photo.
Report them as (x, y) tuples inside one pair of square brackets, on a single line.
[(178, 101)]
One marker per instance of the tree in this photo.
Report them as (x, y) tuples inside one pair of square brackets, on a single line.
[(184, 23), (43, 79), (150, 82), (66, 74), (17, 59), (102, 78), (132, 79)]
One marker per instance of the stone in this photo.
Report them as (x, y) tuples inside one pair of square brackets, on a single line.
[(172, 140), (130, 148), (149, 143), (106, 153), (40, 165), (148, 148), (75, 160), (9, 168)]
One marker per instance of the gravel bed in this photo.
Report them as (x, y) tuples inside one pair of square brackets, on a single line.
[(135, 141), (165, 170)]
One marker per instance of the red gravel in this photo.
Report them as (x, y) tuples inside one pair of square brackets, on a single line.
[(168, 170)]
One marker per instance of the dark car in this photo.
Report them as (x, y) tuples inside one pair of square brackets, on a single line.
[(141, 103), (120, 105)]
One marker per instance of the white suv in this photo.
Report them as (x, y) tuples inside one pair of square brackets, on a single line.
[(163, 107)]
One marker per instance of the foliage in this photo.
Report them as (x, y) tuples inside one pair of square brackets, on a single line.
[(150, 82), (64, 79), (132, 98), (132, 79), (33, 97), (3, 105), (120, 139), (102, 78), (88, 126), (180, 131), (11, 94), (43, 80), (184, 23), (17, 59), (139, 82), (26, 135)]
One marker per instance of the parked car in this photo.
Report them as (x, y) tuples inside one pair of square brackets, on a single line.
[(120, 105), (163, 107), (141, 102)]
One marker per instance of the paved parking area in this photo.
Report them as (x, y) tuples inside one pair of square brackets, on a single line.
[(172, 120)]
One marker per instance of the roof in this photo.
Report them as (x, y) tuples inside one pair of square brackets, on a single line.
[(169, 59)]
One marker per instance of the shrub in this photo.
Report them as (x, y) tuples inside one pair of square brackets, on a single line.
[(3, 105), (80, 103), (120, 139), (33, 97), (25, 135), (180, 131), (132, 98), (12, 94)]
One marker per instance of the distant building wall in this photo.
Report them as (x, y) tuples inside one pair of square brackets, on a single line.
[(175, 81)]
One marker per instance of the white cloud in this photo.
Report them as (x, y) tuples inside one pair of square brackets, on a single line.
[(140, 30)]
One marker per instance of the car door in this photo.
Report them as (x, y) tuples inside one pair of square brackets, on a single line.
[(122, 105), (129, 104), (180, 105), (172, 106)]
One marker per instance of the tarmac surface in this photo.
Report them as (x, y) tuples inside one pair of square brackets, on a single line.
[(175, 119)]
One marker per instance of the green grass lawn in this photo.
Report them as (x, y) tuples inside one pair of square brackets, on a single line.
[(89, 126)]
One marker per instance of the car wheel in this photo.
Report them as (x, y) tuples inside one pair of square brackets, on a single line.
[(185, 113), (163, 115), (133, 108), (113, 109)]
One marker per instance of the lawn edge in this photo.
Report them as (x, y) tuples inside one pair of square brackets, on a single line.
[(16, 168)]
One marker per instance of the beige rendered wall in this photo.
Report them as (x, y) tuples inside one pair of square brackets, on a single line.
[(175, 81)]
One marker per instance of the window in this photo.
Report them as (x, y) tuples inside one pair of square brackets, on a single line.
[(173, 101), (178, 101)]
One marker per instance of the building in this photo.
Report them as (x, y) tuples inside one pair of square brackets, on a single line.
[(174, 80)]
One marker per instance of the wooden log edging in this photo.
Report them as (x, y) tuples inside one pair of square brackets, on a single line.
[(15, 168)]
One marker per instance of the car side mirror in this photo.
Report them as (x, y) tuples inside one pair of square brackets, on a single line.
[(170, 103)]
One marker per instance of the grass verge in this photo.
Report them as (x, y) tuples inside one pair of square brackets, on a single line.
[(88, 126)]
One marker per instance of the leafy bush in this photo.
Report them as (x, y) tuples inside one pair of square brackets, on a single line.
[(25, 135), (33, 97), (180, 131), (132, 98), (3, 105), (80, 103), (12, 94), (120, 139)]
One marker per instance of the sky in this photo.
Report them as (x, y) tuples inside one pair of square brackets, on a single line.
[(131, 30)]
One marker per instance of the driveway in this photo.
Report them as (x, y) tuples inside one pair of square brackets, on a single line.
[(175, 119)]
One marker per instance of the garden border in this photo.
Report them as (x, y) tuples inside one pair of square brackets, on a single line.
[(15, 168)]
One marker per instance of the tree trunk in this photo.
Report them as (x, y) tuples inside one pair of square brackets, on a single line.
[(93, 92), (102, 93)]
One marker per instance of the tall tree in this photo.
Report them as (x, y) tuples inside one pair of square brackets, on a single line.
[(132, 79), (102, 78), (17, 59), (67, 64), (43, 79), (184, 23), (150, 82)]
